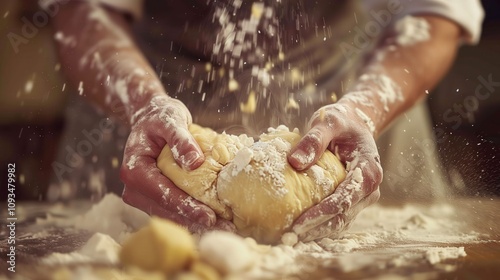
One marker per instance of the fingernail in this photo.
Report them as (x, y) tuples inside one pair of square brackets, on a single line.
[(207, 217), (225, 225), (190, 159), (302, 158)]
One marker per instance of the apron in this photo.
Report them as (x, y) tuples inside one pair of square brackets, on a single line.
[(283, 57)]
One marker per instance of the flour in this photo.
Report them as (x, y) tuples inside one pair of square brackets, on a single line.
[(387, 90), (111, 216), (66, 40), (100, 248), (227, 252), (241, 160), (269, 157), (131, 162), (412, 30), (270, 163), (367, 120), (28, 87), (437, 255), (380, 238)]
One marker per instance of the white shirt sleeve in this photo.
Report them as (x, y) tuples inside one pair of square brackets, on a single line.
[(131, 7), (469, 14)]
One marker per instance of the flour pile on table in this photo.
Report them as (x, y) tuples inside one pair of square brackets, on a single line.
[(381, 237)]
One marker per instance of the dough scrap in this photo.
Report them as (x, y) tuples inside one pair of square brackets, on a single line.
[(166, 248), (161, 246), (251, 183)]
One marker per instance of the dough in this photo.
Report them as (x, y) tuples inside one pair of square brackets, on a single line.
[(161, 246), (251, 183), (167, 248), (219, 149)]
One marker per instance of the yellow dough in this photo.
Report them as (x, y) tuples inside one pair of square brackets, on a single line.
[(160, 246), (251, 183), (219, 149)]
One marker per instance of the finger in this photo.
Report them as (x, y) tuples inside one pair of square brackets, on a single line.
[(150, 191), (334, 227), (149, 206), (364, 203), (225, 225), (348, 193), (311, 146), (185, 150), (331, 228)]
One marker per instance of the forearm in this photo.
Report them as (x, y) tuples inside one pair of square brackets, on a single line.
[(400, 75), (99, 58)]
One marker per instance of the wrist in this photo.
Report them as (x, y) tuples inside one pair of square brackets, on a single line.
[(142, 92), (365, 113), (374, 100)]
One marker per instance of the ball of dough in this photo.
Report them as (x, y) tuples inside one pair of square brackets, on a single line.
[(160, 246), (252, 183)]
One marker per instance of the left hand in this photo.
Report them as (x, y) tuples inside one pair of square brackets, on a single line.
[(338, 128)]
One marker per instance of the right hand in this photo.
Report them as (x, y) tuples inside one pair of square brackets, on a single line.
[(164, 121), (340, 129)]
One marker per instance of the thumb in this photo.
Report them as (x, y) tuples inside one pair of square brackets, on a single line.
[(186, 151), (310, 147)]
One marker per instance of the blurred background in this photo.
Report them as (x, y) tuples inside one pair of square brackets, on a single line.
[(36, 104)]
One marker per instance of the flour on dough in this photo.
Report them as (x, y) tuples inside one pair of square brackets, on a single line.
[(251, 183)]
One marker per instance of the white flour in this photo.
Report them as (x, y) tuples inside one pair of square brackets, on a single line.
[(100, 248), (412, 30), (381, 237), (111, 216)]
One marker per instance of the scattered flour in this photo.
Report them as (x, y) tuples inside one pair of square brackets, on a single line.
[(100, 248), (366, 119), (131, 162), (110, 216), (380, 238)]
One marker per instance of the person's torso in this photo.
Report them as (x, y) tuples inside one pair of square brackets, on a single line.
[(251, 64)]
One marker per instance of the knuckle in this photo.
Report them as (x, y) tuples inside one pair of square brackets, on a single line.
[(376, 166), (313, 139), (127, 196), (373, 175), (124, 173), (375, 197)]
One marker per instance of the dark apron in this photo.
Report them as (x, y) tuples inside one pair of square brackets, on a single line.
[(289, 58)]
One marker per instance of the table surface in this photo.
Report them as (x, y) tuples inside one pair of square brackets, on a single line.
[(479, 215)]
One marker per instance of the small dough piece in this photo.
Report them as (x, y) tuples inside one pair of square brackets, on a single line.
[(160, 246), (252, 183), (219, 149), (205, 271)]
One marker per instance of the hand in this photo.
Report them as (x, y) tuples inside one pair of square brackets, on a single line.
[(340, 129), (163, 121)]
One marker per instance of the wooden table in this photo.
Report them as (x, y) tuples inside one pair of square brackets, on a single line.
[(479, 214)]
